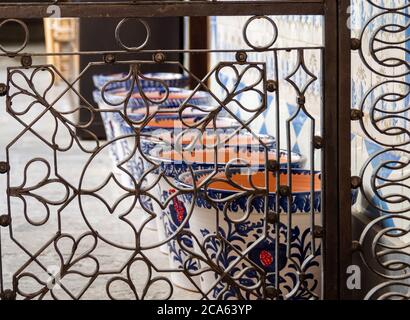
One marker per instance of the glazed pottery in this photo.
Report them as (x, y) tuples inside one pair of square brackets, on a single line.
[(166, 223), (167, 139), (122, 137), (174, 162), (172, 165), (233, 234)]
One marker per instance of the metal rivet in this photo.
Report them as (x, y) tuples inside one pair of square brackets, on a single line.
[(272, 217), (271, 85), (109, 58), (318, 142), (318, 232), (301, 100), (241, 56), (273, 165), (356, 114), (355, 44), (3, 89), (284, 191), (356, 246), (272, 292), (9, 295), (26, 61), (302, 277), (159, 57), (4, 167), (5, 220), (356, 182), (225, 279)]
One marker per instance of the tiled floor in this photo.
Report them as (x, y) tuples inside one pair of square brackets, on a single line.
[(28, 238)]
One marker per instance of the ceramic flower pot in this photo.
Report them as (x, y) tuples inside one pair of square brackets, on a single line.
[(176, 80), (122, 147), (173, 163), (242, 223)]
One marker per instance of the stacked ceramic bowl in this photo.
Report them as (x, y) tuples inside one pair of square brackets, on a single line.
[(114, 90), (220, 192), (133, 121), (115, 87)]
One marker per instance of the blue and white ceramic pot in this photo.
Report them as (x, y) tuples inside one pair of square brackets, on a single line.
[(171, 98), (122, 137), (170, 79), (116, 126), (242, 226), (192, 140), (113, 131)]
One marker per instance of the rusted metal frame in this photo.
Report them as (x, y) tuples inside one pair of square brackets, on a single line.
[(330, 154), (165, 9)]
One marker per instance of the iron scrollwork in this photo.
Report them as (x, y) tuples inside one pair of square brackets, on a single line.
[(383, 49), (229, 258)]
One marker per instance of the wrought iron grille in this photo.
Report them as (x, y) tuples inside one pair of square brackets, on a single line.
[(248, 221)]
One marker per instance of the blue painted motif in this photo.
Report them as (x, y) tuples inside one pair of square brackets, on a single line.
[(263, 257)]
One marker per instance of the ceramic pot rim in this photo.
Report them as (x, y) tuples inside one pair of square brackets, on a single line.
[(227, 123), (298, 156), (294, 171)]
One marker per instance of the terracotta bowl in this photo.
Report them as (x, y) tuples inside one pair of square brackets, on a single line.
[(155, 128)]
